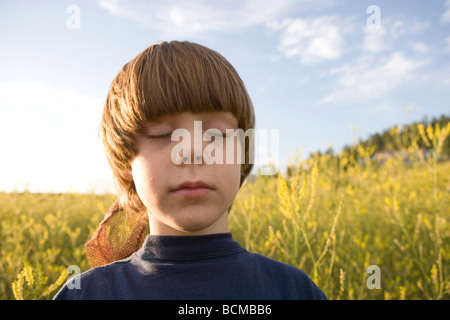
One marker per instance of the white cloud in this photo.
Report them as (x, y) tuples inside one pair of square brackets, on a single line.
[(375, 40), (313, 39), (417, 26), (383, 39), (445, 18), (420, 47), (369, 79), (50, 134), (196, 17)]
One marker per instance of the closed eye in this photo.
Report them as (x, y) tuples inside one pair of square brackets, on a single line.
[(216, 133), (160, 136), (168, 135)]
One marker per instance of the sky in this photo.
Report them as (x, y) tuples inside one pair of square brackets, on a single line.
[(324, 73)]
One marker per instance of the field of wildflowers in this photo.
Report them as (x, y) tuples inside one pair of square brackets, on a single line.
[(332, 217)]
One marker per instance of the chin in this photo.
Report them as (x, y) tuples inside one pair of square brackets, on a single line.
[(195, 226), (197, 222)]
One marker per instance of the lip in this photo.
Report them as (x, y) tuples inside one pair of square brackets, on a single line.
[(193, 189)]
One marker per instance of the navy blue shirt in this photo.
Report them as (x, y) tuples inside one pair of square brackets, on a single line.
[(194, 267)]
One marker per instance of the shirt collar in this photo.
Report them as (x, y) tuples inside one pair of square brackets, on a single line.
[(188, 247)]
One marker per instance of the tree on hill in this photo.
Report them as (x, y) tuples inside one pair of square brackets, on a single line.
[(395, 139)]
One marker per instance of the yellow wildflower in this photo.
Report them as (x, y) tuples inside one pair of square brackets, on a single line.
[(283, 194), (28, 273), (421, 129), (59, 282), (430, 133)]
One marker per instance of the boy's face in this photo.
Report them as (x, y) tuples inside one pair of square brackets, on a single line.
[(186, 198)]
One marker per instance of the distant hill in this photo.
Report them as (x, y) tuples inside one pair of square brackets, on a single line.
[(389, 142)]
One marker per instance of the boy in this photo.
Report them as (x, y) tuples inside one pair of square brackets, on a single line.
[(189, 253)]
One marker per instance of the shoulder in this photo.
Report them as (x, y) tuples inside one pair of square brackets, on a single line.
[(287, 276), (94, 283)]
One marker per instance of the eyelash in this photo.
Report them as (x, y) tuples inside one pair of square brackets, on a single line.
[(168, 135), (224, 135), (159, 136)]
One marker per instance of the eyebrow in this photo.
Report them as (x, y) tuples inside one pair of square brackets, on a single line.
[(213, 122), (228, 119)]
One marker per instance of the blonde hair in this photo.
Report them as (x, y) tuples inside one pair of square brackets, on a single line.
[(164, 79)]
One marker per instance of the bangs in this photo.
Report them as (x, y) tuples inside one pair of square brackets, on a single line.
[(175, 77)]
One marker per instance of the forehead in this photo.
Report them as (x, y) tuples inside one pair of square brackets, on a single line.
[(183, 118)]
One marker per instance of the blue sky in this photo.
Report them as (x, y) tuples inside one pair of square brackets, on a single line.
[(315, 70)]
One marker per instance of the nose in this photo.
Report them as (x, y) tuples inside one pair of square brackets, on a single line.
[(187, 160), (190, 149)]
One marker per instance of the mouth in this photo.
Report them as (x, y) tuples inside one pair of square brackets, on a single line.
[(193, 189)]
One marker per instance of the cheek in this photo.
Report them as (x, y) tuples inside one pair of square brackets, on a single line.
[(230, 169), (231, 177), (145, 180)]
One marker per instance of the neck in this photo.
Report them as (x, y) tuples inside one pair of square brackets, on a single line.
[(162, 228)]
